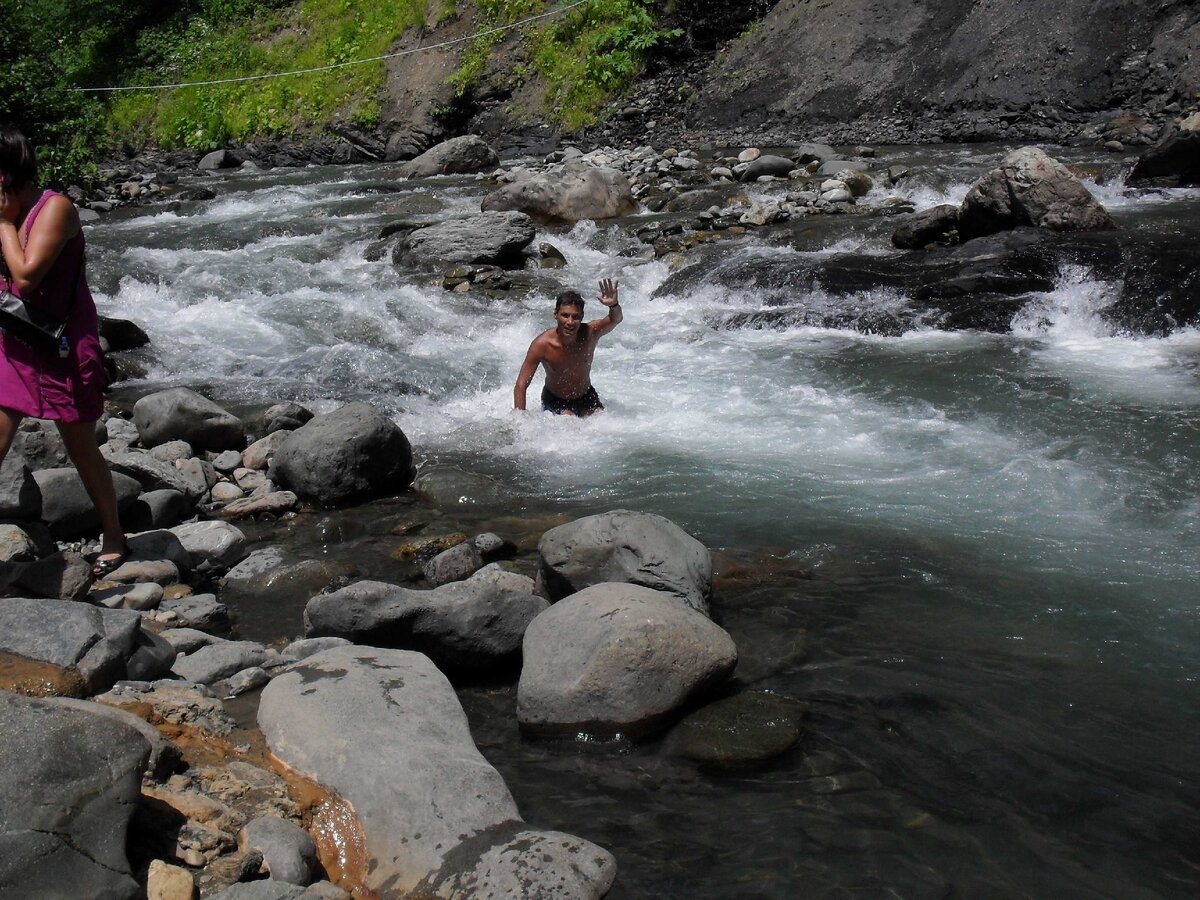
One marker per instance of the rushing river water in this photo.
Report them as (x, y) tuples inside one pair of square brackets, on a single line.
[(997, 640)]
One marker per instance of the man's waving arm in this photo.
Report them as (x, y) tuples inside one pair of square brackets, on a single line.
[(609, 297)]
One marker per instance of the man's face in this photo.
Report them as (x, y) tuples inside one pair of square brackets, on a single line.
[(568, 318)]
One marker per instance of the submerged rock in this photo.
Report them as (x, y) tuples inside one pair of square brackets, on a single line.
[(353, 717), (741, 730), (617, 658)]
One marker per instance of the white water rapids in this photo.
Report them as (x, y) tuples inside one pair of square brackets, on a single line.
[(977, 503)]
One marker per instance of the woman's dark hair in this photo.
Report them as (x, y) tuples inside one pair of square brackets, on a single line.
[(568, 298), (18, 162)]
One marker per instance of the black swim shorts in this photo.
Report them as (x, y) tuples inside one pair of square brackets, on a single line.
[(584, 405)]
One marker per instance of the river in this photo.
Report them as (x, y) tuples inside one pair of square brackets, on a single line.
[(971, 557)]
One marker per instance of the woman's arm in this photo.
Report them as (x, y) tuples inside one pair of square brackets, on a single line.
[(56, 224)]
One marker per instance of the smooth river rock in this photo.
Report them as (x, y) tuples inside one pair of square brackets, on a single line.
[(182, 414), (385, 730), (626, 546), (474, 623), (567, 194), (68, 787), (617, 659), (458, 156)]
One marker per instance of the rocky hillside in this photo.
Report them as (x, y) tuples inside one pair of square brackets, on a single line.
[(857, 70)]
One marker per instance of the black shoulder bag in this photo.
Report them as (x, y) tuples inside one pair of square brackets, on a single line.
[(30, 324)]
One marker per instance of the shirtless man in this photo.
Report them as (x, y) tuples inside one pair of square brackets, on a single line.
[(565, 351)]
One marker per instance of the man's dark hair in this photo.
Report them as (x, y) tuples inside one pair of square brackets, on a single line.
[(18, 162), (568, 298)]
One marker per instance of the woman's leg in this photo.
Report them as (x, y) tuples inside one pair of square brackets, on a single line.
[(80, 440), (9, 420)]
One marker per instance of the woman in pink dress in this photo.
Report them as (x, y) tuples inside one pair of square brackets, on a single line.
[(42, 244)]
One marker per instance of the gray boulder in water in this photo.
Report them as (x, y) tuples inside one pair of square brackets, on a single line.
[(473, 624), (629, 547), (385, 730), (1173, 160), (457, 156), (1030, 188), (68, 787), (567, 194), (351, 454), (493, 238), (182, 414), (617, 658)]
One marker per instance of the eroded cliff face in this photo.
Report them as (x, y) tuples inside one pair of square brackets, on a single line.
[(962, 69)]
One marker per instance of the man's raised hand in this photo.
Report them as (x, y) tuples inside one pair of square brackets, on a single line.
[(608, 292)]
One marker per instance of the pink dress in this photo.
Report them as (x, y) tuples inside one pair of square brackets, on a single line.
[(43, 384)]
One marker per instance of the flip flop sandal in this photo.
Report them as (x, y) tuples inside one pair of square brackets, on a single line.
[(102, 567)]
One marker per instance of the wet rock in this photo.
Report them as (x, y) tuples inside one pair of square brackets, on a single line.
[(303, 649), (97, 642), (767, 164), (289, 854), (455, 564), (457, 156), (494, 238), (567, 194), (474, 623), (1030, 188), (218, 159), (66, 506), (217, 543), (181, 413), (348, 455), (219, 660), (351, 717), (617, 659), (741, 730), (626, 546), (1173, 161), (937, 225), (68, 786)]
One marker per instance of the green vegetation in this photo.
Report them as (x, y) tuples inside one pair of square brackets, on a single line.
[(586, 57), (308, 34)]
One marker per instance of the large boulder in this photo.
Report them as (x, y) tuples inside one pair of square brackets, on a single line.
[(350, 454), (567, 194), (457, 156), (493, 238), (1030, 188), (182, 414), (1174, 160), (775, 166), (66, 506), (465, 624), (625, 546), (351, 718), (68, 787), (98, 643), (617, 658)]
